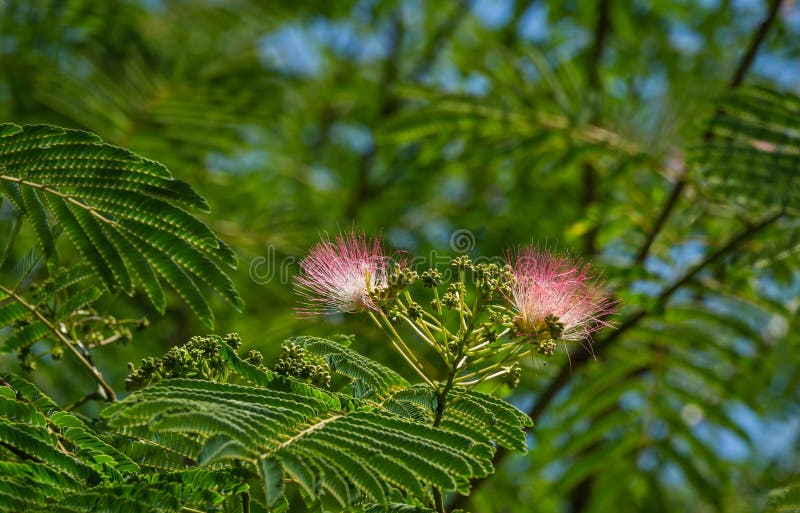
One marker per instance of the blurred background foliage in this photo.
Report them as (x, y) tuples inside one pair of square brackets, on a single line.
[(593, 125)]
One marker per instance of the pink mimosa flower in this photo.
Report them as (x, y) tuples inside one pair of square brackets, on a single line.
[(338, 275), (553, 288)]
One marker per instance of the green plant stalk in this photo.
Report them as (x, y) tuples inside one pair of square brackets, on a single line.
[(440, 407), (440, 319), (400, 340), (422, 323), (461, 320), (392, 334), (431, 342), (420, 326), (246, 502), (451, 380), (481, 349), (426, 337)]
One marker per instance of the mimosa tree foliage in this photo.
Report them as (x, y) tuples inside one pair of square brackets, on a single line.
[(656, 140)]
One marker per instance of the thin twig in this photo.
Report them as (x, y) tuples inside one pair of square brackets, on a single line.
[(595, 89), (758, 38), (94, 396), (93, 371), (666, 211), (108, 340)]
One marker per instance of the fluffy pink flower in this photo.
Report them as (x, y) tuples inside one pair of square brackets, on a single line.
[(337, 276), (555, 286)]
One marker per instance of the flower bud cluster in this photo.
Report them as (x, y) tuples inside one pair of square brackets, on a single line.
[(454, 295), (81, 324), (512, 375), (296, 362), (199, 358), (431, 278), (399, 280), (495, 280)]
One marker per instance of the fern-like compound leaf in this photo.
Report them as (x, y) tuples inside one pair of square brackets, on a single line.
[(52, 460), (346, 453), (753, 153), (125, 215)]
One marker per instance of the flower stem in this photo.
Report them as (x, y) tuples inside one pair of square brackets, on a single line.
[(440, 319), (441, 404), (395, 338)]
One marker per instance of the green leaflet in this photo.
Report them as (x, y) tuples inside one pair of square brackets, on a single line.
[(12, 409), (11, 312), (219, 447), (24, 337), (89, 446), (38, 217), (272, 476), (16, 436)]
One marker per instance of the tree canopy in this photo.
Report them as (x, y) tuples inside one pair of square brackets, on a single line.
[(657, 140)]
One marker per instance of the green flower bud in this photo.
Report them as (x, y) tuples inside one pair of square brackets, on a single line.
[(414, 311), (462, 263), (546, 347), (431, 278)]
